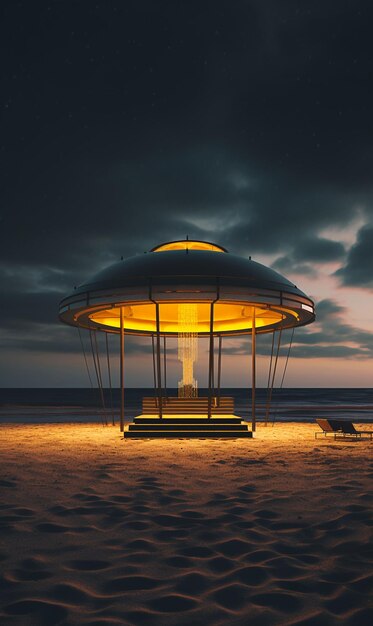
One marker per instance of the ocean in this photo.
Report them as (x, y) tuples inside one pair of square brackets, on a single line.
[(85, 405)]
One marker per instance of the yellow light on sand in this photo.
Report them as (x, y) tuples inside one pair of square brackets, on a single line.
[(187, 340)]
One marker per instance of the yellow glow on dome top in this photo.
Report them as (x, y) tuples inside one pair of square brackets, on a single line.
[(188, 244)]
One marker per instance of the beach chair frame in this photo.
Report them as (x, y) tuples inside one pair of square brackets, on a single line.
[(341, 429)]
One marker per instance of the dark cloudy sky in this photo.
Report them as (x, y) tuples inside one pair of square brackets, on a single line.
[(128, 123)]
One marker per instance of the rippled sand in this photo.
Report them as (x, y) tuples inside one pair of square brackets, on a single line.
[(101, 531)]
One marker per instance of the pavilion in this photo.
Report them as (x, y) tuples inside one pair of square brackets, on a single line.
[(187, 289)]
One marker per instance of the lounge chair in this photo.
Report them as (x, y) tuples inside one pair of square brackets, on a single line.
[(331, 427), (340, 428), (349, 429)]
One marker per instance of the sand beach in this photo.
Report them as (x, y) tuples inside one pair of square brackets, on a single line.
[(101, 531)]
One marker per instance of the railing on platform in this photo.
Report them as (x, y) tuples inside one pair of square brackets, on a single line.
[(194, 406)]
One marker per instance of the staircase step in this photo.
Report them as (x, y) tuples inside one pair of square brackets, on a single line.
[(187, 419), (183, 411), (186, 426), (187, 434)]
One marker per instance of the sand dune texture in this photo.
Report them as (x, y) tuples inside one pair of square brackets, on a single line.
[(96, 530)]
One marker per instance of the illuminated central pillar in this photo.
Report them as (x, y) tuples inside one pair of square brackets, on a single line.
[(187, 339)]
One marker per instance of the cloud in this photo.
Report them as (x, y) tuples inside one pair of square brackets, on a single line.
[(247, 126), (318, 249), (308, 254), (130, 206), (288, 264), (61, 339), (331, 336), (358, 270)]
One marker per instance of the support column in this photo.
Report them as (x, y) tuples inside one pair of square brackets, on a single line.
[(159, 375), (211, 359), (154, 371), (253, 374), (165, 368), (219, 368), (121, 371)]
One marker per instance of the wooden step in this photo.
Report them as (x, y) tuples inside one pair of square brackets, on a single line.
[(187, 434), (166, 427), (172, 410), (188, 402), (188, 426), (188, 419)]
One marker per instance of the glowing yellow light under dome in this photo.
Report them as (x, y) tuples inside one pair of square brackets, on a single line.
[(228, 317)]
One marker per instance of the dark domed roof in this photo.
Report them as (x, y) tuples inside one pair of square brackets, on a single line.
[(179, 265), (185, 271)]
